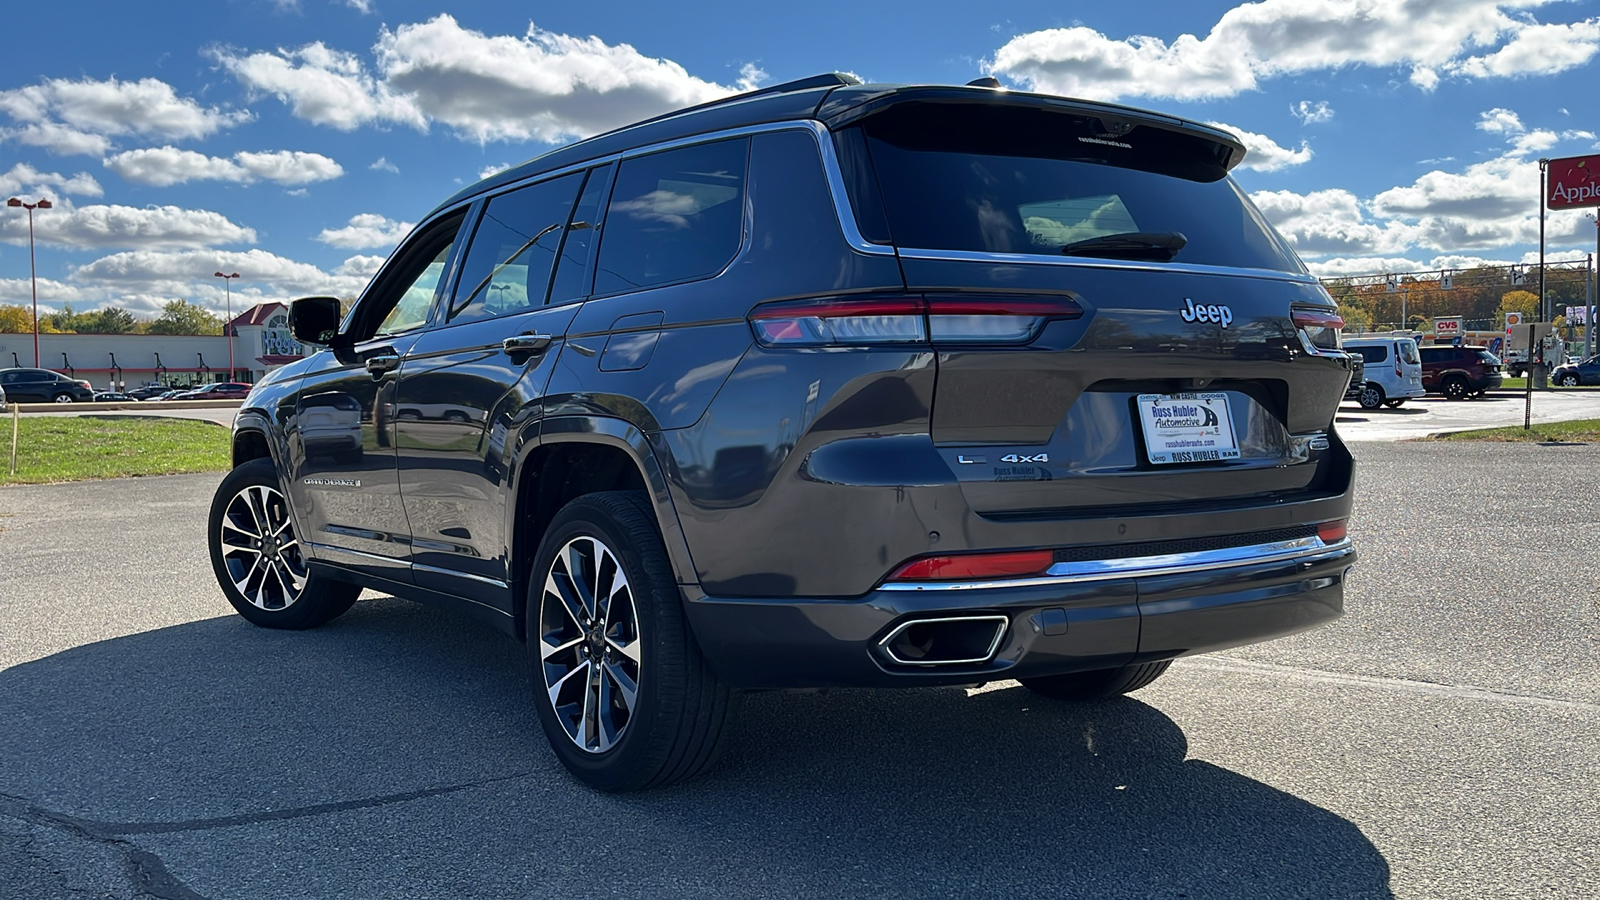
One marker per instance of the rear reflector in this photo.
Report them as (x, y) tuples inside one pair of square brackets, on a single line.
[(975, 565), (1331, 532), (900, 319)]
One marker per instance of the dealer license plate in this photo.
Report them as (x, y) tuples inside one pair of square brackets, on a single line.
[(1186, 428)]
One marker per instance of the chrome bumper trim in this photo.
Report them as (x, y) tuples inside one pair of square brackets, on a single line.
[(1311, 549)]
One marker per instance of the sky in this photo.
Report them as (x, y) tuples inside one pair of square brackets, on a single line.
[(296, 141)]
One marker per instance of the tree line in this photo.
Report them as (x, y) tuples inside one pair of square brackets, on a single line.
[(1481, 296), (177, 317)]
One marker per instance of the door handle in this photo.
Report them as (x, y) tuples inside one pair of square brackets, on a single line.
[(526, 343), (378, 365)]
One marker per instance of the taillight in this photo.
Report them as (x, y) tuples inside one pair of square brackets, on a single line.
[(840, 322), (1318, 330), (1332, 532), (975, 565), (969, 319), (900, 319)]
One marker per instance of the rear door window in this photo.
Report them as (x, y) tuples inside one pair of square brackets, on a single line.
[(674, 216), (507, 266), (1029, 181)]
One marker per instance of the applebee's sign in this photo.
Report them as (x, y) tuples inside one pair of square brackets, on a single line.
[(1573, 182)]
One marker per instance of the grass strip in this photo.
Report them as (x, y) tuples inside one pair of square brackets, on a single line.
[(1579, 431), (74, 448)]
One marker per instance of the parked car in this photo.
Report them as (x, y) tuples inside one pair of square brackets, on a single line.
[(1357, 381), (865, 386), (222, 390), (1393, 370), (1459, 372), (148, 391), (43, 386), (113, 397), (3, 406), (1573, 374)]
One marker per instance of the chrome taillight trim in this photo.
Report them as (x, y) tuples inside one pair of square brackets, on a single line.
[(1310, 549)]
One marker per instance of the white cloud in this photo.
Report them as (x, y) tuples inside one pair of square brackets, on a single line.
[(495, 169), (1329, 222), (143, 280), (95, 227), (366, 230), (1312, 113), (20, 290), (541, 86), (162, 166), (1538, 50), (1265, 155), (362, 6), (1275, 37), (383, 165), (1500, 121), (58, 139), (325, 86), (25, 180), (79, 116), (751, 76), (1373, 265)]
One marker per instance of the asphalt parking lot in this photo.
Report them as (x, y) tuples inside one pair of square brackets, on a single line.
[(1441, 740)]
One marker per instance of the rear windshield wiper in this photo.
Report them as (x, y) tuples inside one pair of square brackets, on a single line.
[(1158, 245)]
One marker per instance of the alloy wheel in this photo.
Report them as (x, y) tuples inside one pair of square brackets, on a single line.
[(62, 398), (259, 548), (589, 644)]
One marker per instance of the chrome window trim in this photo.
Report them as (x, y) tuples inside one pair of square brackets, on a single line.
[(1085, 262), (994, 645), (1311, 549), (830, 166)]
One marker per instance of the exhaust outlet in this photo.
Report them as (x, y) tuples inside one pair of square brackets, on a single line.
[(953, 641)]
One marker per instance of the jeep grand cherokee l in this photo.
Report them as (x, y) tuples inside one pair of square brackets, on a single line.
[(830, 384)]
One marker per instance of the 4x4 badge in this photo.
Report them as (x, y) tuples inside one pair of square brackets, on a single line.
[(1024, 458)]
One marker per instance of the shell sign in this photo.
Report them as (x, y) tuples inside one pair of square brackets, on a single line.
[(1574, 183)]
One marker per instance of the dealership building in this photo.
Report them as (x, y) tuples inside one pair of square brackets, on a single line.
[(259, 336)]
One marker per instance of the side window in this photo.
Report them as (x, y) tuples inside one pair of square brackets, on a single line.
[(572, 271), (1371, 355), (508, 263), (674, 216), (400, 300)]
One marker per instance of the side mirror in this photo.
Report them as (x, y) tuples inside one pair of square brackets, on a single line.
[(315, 320)]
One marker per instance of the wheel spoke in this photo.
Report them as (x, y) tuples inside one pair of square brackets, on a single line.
[(555, 689), (227, 523), (580, 584), (559, 586), (625, 684), (547, 649), (589, 726), (630, 649)]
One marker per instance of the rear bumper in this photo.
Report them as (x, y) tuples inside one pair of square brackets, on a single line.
[(1051, 626)]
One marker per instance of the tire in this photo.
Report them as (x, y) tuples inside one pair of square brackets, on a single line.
[(1455, 388), (249, 508), (1569, 381), (1099, 684), (680, 710), (61, 398), (1394, 404), (1371, 396)]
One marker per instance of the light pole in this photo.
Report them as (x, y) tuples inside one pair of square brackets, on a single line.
[(227, 283), (33, 274)]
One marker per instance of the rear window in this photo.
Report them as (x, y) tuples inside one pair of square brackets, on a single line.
[(1370, 355), (1408, 352), (1022, 180), (1438, 354)]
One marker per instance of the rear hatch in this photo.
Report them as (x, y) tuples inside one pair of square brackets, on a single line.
[(1116, 325)]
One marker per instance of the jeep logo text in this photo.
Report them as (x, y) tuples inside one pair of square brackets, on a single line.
[(1212, 313)]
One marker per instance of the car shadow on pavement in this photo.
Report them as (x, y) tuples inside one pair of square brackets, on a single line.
[(406, 738)]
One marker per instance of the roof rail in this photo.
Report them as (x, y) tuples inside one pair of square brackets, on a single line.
[(827, 79)]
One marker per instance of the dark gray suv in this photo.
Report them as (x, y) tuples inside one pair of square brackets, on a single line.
[(830, 384)]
